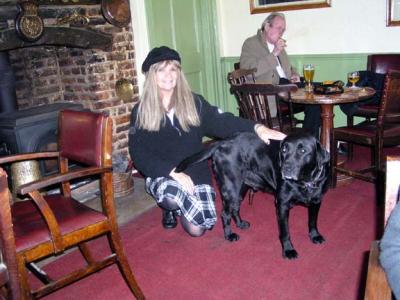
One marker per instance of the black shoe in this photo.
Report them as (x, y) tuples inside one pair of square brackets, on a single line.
[(342, 149), (168, 219)]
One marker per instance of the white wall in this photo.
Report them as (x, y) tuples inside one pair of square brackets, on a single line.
[(348, 26)]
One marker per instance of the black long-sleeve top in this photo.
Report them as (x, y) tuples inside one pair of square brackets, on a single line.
[(156, 153)]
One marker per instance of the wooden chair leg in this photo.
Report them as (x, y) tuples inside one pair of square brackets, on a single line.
[(333, 153), (379, 173), (350, 123), (25, 289), (292, 118), (350, 151), (3, 293), (123, 265), (83, 248), (39, 273)]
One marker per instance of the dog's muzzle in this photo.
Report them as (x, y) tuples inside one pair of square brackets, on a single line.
[(289, 173)]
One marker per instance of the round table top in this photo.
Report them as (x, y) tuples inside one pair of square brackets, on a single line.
[(349, 95)]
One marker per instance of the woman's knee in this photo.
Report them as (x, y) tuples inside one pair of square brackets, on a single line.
[(191, 229), (168, 203), (196, 233)]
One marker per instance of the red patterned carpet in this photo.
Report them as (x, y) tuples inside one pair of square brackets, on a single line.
[(168, 264)]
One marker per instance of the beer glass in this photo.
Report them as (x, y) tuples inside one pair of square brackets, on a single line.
[(308, 73), (353, 78)]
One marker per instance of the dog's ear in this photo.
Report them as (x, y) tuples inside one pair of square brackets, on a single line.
[(323, 155)]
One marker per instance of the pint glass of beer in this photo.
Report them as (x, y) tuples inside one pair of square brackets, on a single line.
[(308, 73)]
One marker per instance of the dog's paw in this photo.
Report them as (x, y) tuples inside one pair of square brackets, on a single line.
[(243, 225), (290, 254), (233, 237), (318, 239)]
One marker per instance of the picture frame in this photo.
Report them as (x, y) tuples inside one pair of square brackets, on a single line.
[(263, 6), (392, 12)]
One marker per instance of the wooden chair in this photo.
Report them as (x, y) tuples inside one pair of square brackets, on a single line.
[(380, 64), (9, 281), (285, 109), (241, 76), (382, 132), (377, 286), (47, 224), (253, 102), (238, 77)]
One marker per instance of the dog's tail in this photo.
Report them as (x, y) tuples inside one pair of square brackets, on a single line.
[(198, 157)]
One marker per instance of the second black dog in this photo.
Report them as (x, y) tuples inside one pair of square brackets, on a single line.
[(295, 170)]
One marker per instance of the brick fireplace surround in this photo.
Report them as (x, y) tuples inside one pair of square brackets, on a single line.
[(47, 74)]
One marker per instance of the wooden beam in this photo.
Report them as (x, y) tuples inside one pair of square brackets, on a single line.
[(58, 36), (52, 2)]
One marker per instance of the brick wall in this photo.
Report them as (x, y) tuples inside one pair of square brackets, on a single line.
[(48, 74)]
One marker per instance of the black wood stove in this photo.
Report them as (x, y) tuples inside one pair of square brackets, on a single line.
[(27, 130)]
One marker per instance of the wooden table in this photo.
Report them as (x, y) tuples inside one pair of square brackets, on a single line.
[(327, 102)]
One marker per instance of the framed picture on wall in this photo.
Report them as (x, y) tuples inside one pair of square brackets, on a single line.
[(393, 13), (262, 6)]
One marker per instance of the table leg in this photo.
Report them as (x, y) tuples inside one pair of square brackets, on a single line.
[(327, 124), (325, 139)]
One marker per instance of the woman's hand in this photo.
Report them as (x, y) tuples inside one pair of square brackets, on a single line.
[(266, 133), (184, 180)]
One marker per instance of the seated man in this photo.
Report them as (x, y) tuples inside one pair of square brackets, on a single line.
[(266, 52)]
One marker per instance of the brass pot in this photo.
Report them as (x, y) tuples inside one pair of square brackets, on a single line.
[(124, 89), (24, 172)]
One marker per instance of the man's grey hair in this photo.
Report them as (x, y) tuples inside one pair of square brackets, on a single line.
[(270, 19)]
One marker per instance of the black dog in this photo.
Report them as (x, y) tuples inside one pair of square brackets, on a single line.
[(295, 170)]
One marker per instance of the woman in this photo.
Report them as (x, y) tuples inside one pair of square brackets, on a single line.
[(168, 125)]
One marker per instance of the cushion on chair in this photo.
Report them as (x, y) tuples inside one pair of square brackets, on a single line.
[(366, 131), (356, 134), (367, 110), (80, 138), (30, 228)]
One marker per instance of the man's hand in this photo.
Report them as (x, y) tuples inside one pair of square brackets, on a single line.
[(266, 133), (184, 180), (295, 78), (279, 46)]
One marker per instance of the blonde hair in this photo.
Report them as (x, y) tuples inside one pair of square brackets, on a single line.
[(151, 113)]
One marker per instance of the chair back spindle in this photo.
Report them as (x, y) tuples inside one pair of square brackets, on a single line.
[(253, 102)]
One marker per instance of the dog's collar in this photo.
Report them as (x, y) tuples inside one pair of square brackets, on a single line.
[(312, 184)]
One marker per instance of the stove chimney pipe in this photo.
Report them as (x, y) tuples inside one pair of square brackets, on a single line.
[(8, 97)]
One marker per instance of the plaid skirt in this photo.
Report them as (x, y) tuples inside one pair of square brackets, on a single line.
[(198, 209)]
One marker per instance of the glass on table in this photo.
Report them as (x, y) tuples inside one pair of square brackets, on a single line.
[(308, 73), (353, 78)]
